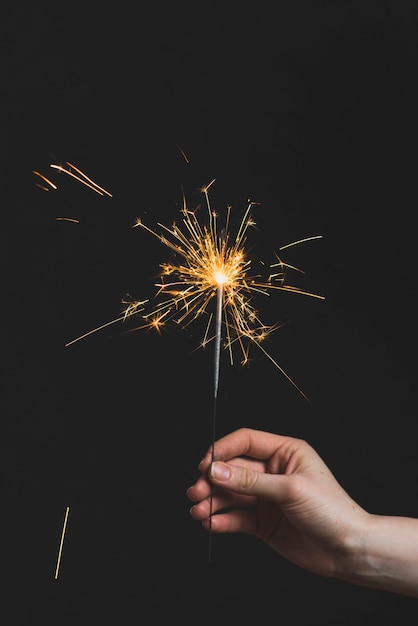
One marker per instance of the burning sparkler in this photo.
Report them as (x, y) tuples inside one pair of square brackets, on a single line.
[(210, 266)]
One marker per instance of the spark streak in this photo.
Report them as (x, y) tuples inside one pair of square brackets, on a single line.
[(81, 177), (62, 541), (184, 155), (67, 219), (49, 182), (132, 307)]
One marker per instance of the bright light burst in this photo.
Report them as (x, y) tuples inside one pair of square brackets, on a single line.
[(210, 264)]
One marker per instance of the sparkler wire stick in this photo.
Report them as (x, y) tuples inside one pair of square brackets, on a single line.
[(219, 305), (217, 361)]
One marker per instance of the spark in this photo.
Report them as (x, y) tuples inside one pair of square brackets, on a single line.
[(49, 182), (62, 541), (184, 155), (131, 308), (294, 243), (209, 264), (81, 177)]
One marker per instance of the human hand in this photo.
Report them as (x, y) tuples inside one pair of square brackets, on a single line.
[(280, 490)]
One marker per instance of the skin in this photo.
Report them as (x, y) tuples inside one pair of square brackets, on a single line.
[(278, 489)]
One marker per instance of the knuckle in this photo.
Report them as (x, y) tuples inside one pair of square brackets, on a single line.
[(248, 480)]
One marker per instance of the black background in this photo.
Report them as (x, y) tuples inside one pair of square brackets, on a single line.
[(309, 109)]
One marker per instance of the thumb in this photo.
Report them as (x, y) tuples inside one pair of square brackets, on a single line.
[(246, 481)]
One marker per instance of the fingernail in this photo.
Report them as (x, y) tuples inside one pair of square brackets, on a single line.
[(220, 471)]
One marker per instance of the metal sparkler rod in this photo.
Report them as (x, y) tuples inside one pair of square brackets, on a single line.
[(217, 362), (219, 304)]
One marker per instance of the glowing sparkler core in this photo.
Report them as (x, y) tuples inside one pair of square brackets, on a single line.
[(220, 277), (208, 263)]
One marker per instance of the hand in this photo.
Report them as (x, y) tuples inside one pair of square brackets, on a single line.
[(278, 489)]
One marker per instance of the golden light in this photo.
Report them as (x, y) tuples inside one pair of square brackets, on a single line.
[(210, 274), (220, 277)]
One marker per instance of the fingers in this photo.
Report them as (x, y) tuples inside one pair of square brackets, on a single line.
[(246, 481), (202, 488), (248, 442), (223, 511), (228, 513), (236, 521), (235, 485), (220, 501)]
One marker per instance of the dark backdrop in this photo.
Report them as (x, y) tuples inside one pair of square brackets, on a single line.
[(307, 108)]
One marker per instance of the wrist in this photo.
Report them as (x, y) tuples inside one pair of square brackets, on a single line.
[(382, 553), (353, 556)]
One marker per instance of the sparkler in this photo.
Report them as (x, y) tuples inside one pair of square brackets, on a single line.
[(211, 266)]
